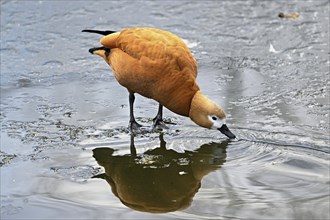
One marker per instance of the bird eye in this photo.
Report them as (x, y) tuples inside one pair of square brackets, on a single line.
[(214, 118)]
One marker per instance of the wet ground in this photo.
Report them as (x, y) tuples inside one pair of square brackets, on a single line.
[(65, 149)]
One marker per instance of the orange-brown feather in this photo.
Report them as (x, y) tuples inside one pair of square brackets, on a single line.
[(156, 64), (110, 41)]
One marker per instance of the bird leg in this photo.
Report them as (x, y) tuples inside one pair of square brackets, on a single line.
[(133, 125), (162, 142), (158, 120), (132, 147)]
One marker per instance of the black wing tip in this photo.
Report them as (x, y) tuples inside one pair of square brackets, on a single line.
[(106, 50), (99, 32)]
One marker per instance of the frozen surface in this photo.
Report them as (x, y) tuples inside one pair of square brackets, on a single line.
[(59, 103)]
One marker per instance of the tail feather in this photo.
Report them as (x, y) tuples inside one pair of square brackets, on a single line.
[(99, 32)]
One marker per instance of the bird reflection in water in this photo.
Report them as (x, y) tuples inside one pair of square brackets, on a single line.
[(159, 180)]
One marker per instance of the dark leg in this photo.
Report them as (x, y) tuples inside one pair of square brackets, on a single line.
[(162, 142), (133, 125), (158, 120), (132, 147)]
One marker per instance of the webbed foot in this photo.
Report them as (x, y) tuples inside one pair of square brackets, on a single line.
[(159, 124), (134, 127)]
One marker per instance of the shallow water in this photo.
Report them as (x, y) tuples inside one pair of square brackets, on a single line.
[(64, 117)]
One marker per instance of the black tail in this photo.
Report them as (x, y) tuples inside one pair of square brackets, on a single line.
[(99, 32)]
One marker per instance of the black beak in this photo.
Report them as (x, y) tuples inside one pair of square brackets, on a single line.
[(225, 130)]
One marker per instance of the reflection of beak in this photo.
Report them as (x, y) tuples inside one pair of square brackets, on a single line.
[(225, 130)]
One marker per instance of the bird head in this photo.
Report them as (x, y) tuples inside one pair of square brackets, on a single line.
[(206, 113)]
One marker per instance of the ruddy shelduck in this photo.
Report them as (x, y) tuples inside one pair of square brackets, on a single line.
[(157, 64)]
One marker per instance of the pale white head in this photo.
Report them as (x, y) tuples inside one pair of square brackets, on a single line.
[(217, 121), (208, 114)]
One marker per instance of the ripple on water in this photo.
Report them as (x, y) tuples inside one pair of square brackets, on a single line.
[(266, 173), (53, 64)]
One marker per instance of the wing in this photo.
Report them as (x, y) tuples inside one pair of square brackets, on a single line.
[(153, 44)]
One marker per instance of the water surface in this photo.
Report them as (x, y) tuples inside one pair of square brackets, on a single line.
[(65, 148)]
